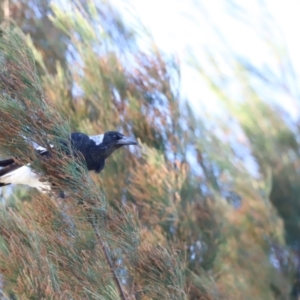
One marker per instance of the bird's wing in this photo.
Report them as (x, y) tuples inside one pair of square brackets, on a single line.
[(6, 162), (8, 166), (79, 141), (14, 173), (17, 174)]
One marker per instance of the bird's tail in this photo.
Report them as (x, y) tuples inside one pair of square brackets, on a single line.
[(7, 165), (6, 162)]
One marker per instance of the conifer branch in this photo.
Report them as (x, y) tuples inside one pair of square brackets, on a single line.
[(108, 259), (66, 249)]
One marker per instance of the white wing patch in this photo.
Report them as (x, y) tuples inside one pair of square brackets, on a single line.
[(97, 138), (25, 175), (37, 147)]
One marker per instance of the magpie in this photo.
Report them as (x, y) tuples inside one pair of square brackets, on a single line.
[(94, 149)]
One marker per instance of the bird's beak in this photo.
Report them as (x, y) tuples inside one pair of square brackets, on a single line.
[(126, 140)]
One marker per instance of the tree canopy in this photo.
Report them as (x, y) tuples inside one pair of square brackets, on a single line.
[(179, 217)]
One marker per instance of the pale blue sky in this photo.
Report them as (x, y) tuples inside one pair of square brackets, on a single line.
[(180, 26)]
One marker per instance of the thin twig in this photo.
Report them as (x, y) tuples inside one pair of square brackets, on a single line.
[(110, 263), (105, 251)]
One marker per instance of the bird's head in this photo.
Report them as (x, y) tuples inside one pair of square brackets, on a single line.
[(113, 140), (117, 139)]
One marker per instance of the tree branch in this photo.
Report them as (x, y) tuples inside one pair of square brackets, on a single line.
[(109, 261)]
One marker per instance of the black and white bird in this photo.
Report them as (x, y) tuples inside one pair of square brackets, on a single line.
[(95, 149)]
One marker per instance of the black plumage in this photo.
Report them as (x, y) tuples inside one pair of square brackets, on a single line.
[(95, 150)]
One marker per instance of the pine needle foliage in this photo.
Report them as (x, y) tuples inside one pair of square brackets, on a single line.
[(79, 248), (185, 189)]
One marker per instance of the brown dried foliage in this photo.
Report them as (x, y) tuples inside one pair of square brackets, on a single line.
[(55, 241)]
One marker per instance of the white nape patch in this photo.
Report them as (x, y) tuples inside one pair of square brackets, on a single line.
[(25, 175), (97, 138)]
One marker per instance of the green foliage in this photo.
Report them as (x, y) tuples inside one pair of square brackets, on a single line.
[(83, 250), (179, 217)]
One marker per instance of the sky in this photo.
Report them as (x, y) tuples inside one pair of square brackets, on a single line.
[(190, 26), (183, 27)]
